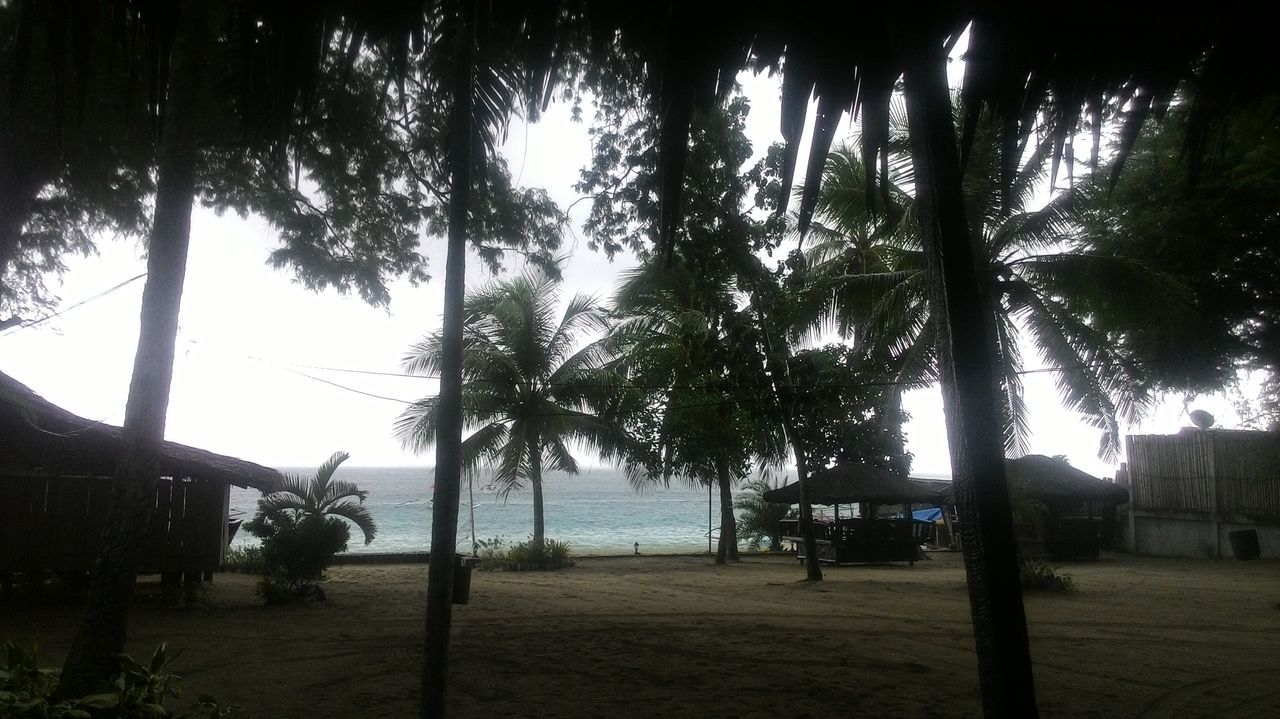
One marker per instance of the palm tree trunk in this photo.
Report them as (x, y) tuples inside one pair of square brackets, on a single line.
[(539, 518), (782, 394), (995, 595), (103, 629), (727, 549), (898, 462), (448, 472)]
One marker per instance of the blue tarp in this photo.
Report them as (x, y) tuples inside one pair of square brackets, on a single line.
[(932, 514)]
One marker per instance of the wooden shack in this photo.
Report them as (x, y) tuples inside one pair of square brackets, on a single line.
[(55, 483), (866, 538), (1075, 513)]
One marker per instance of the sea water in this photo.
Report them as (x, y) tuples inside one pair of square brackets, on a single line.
[(596, 511)]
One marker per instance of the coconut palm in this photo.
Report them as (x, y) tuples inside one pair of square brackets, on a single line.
[(529, 394), (760, 520), (869, 273), (321, 497), (695, 354)]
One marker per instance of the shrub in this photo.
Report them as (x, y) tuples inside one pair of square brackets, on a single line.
[(495, 554), (137, 691), (524, 556), (1038, 575), (246, 560), (492, 553), (296, 550), (303, 526)]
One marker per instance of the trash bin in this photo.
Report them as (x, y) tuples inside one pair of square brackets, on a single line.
[(462, 567), (1244, 544)]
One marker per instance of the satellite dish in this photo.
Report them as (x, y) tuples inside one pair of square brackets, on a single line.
[(1201, 419)]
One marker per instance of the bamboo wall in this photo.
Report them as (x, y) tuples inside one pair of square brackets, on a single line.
[(55, 523), (1223, 473)]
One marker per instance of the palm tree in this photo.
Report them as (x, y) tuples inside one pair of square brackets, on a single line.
[(528, 392), (696, 356), (761, 520), (321, 497), (869, 273)]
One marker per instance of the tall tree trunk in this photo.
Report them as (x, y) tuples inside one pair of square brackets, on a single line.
[(782, 394), (448, 472), (535, 479), (813, 567), (995, 595), (727, 549), (898, 443), (103, 629)]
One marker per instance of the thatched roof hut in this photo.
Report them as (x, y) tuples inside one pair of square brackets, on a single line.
[(55, 483), (32, 427), (1049, 479), (849, 483)]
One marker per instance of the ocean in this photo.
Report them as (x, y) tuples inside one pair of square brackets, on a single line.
[(596, 511)]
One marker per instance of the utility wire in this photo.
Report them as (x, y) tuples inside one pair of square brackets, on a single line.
[(81, 303), (820, 385), (296, 369)]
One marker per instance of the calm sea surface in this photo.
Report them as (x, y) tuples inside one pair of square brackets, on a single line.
[(596, 511)]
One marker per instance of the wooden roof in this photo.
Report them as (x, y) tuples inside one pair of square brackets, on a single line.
[(20, 405), (846, 483)]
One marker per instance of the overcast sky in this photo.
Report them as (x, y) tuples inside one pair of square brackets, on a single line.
[(249, 335)]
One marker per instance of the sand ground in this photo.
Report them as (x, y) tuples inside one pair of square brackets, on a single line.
[(678, 637)]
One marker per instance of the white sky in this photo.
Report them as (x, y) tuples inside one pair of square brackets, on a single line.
[(246, 330)]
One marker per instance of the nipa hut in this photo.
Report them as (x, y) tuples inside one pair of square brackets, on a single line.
[(55, 482), (866, 538), (1066, 512)]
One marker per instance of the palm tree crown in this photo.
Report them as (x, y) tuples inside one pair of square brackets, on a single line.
[(322, 496), (868, 272), (529, 392)]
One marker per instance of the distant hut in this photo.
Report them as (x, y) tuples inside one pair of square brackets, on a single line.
[(867, 538), (55, 482), (1074, 512)]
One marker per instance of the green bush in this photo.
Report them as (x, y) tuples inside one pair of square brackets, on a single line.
[(296, 550), (525, 557), (1038, 575), (246, 560), (495, 554), (137, 691), (492, 553)]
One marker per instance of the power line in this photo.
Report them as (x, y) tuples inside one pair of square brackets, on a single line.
[(81, 303), (728, 402), (820, 385)]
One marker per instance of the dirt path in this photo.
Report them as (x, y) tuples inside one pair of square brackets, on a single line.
[(676, 637)]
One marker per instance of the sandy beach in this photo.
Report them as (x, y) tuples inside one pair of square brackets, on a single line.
[(678, 637)]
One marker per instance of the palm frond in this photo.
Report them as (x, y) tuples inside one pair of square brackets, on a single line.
[(357, 514), (483, 446), (282, 501), (556, 456), (335, 491)]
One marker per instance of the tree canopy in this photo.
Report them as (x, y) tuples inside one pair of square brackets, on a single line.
[(1219, 241)]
